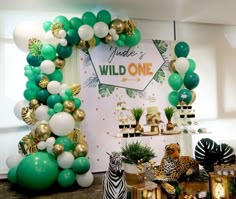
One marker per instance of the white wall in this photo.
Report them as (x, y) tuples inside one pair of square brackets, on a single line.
[(212, 48)]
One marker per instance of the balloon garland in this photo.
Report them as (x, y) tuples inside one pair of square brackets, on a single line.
[(55, 150), (183, 78)]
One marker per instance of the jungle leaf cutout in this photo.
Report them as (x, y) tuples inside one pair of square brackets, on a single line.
[(105, 90), (161, 45), (159, 76), (92, 81), (131, 92)]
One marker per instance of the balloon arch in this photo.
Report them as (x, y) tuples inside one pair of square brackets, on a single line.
[(55, 150)]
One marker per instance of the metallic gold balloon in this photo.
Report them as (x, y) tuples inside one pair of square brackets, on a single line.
[(92, 42), (59, 63), (171, 66), (118, 25), (58, 149), (28, 115), (34, 104), (80, 150), (75, 88), (42, 132), (81, 44), (79, 115), (69, 106), (108, 39)]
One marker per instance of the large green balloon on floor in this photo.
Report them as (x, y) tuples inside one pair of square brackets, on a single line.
[(37, 171), (66, 178), (11, 175), (81, 165), (181, 49)]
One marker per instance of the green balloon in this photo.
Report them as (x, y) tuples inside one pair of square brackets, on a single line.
[(185, 95), (32, 84), (192, 66), (72, 37), (66, 178), (173, 98), (175, 81), (36, 70), (75, 23), (77, 102), (191, 80), (30, 94), (104, 16), (37, 171), (53, 99), (47, 25), (42, 95), (11, 175), (64, 21), (134, 39), (97, 39), (65, 141), (34, 60), (89, 18), (64, 51), (51, 111), (120, 43), (81, 165), (181, 49), (58, 107), (48, 51), (57, 75)]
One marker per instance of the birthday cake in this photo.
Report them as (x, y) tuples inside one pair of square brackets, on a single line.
[(153, 115)]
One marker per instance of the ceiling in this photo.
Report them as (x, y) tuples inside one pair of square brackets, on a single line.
[(203, 11)]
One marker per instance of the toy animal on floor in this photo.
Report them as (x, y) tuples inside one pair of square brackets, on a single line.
[(173, 166), (114, 184)]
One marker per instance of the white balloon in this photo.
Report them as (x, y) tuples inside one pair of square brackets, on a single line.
[(18, 107), (181, 65), (14, 160), (62, 33), (63, 42), (85, 180), (26, 30), (54, 87), (112, 31), (65, 160), (62, 123), (49, 150), (42, 145), (100, 29), (47, 66), (85, 32), (50, 141), (64, 86), (50, 39), (41, 113), (115, 37)]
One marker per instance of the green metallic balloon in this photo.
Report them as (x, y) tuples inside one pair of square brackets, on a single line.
[(37, 171), (175, 81), (65, 141), (66, 178), (81, 165)]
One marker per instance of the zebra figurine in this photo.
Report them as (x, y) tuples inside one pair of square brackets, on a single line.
[(114, 184)]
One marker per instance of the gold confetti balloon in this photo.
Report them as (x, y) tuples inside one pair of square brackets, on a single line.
[(59, 63), (79, 115), (69, 106), (42, 132), (80, 150), (58, 149)]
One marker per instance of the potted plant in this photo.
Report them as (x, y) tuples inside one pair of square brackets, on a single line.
[(133, 154), (137, 113), (169, 112)]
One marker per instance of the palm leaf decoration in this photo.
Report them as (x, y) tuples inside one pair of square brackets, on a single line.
[(105, 90), (161, 45), (159, 76), (131, 92)]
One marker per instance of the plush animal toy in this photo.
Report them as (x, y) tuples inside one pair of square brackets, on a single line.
[(173, 166)]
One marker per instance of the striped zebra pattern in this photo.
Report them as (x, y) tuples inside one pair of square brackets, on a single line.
[(114, 184)]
